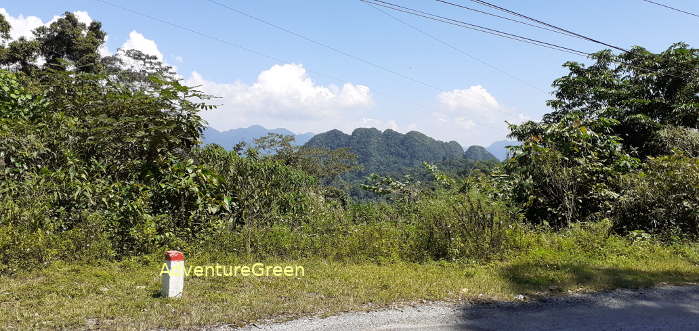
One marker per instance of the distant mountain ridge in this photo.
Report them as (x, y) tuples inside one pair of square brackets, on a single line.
[(394, 154), (229, 138), (499, 148), (388, 152), (479, 153)]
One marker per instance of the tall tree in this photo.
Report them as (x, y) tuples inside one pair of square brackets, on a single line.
[(643, 91), (69, 39), (65, 44), (4, 28)]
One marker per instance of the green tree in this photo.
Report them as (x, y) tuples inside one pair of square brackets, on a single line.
[(565, 171), (4, 28), (68, 39), (643, 91), (66, 43), (323, 163), (662, 198)]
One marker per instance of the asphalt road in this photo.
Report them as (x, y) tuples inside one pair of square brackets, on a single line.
[(662, 308)]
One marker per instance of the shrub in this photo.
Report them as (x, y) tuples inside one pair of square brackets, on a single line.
[(565, 172), (465, 226), (679, 139), (662, 198)]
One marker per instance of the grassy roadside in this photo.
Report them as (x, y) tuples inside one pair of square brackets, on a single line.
[(124, 295)]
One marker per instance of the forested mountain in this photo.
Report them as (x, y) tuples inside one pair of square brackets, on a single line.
[(479, 153), (390, 153), (229, 138)]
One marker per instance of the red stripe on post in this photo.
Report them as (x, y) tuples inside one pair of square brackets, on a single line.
[(174, 256)]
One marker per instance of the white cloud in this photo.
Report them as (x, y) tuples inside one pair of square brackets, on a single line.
[(474, 98), (83, 17), (473, 115), (104, 50), (22, 26), (179, 59), (286, 96), (139, 42)]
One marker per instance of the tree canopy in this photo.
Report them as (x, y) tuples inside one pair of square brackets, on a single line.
[(607, 118), (643, 91)]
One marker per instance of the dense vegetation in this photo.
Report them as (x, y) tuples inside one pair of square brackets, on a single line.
[(613, 135), (101, 157)]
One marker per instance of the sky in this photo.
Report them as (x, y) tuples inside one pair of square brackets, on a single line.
[(343, 64)]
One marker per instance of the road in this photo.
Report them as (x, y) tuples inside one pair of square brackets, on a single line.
[(662, 308)]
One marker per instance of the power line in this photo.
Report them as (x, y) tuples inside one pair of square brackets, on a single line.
[(502, 34), (459, 50), (474, 27), (199, 33), (504, 18), (334, 49), (671, 8), (488, 4)]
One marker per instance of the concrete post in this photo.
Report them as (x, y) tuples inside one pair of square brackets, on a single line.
[(173, 279)]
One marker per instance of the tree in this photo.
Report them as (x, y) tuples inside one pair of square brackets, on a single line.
[(642, 91), (662, 198), (565, 171), (68, 39), (323, 163), (66, 43), (4, 29)]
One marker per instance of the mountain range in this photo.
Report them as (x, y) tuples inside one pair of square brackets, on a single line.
[(394, 154), (229, 138), (387, 153)]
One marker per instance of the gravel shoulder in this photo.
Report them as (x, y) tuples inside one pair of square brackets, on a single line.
[(661, 308)]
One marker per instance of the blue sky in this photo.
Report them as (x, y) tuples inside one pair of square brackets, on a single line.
[(305, 87)]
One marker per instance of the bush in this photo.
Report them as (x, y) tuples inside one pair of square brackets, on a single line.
[(465, 226), (677, 139), (565, 172), (662, 198)]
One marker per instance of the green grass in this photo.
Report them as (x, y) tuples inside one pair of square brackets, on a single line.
[(124, 294)]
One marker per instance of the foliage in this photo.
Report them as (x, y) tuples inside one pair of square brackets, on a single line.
[(265, 192), (662, 198), (565, 171), (99, 155), (676, 139), (323, 163), (4, 28), (16, 101), (102, 157), (642, 91), (466, 226), (404, 190)]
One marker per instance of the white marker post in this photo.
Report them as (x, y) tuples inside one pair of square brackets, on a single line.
[(173, 279)]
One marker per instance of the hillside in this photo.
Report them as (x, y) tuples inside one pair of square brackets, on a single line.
[(479, 153), (389, 152), (230, 138)]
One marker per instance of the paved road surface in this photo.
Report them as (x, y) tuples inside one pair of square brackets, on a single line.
[(662, 308)]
